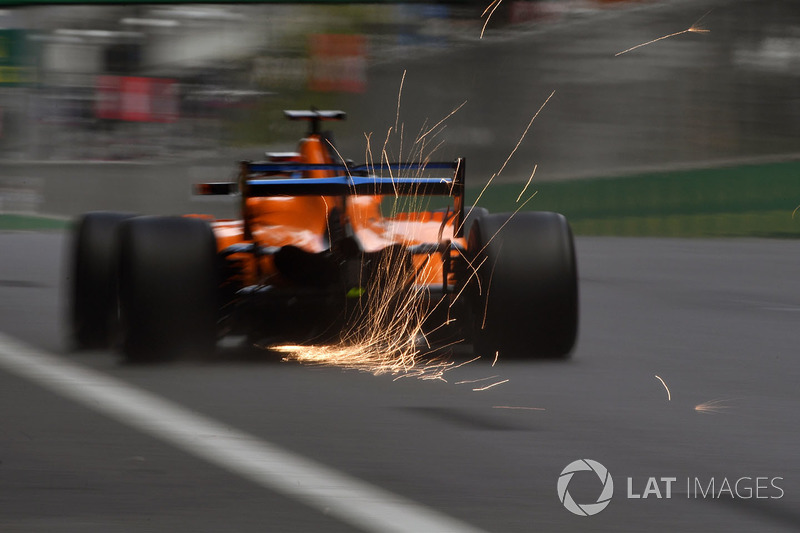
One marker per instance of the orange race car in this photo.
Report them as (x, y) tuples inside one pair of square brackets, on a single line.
[(313, 256)]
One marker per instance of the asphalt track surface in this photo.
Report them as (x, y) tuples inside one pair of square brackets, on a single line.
[(717, 320)]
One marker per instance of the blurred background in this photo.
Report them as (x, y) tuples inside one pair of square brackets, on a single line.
[(121, 106)]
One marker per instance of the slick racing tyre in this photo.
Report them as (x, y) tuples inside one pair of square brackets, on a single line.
[(526, 304), (168, 288), (93, 279)]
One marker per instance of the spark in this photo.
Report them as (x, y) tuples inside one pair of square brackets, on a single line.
[(496, 355), (525, 133), (466, 283), (529, 182), (694, 28), (795, 211), (478, 199), (433, 128), (368, 151), (487, 387), (486, 303), (385, 144), (458, 169), (442, 325), (385, 156), (514, 407), (510, 155), (465, 363), (402, 136), (336, 150), (669, 394), (288, 348), (467, 381), (712, 407), (491, 8), (399, 95)]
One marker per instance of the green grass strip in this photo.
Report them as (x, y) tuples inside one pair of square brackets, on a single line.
[(9, 222), (746, 200)]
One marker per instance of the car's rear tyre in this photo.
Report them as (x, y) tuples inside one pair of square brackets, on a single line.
[(93, 279), (169, 281), (527, 305)]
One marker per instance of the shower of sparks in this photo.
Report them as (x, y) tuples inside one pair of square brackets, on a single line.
[(386, 333), (694, 28), (712, 407), (490, 9), (669, 394), (365, 357), (487, 387), (386, 336), (513, 407)]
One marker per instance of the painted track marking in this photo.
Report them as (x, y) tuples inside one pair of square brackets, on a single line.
[(350, 500)]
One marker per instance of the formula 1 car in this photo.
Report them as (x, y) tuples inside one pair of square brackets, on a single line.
[(312, 257)]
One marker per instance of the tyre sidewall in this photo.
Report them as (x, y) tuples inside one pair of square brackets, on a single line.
[(169, 281), (528, 301)]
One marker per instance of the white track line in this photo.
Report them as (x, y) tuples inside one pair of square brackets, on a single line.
[(352, 501)]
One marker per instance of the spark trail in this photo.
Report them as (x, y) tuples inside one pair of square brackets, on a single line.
[(669, 394), (490, 9), (694, 28), (517, 408), (712, 407), (487, 387)]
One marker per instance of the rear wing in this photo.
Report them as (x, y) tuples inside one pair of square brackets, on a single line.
[(314, 116), (355, 179), (285, 179), (263, 179)]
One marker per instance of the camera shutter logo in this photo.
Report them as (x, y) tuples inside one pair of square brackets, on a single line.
[(586, 509)]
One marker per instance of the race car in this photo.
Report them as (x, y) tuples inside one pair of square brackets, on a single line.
[(313, 258)]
